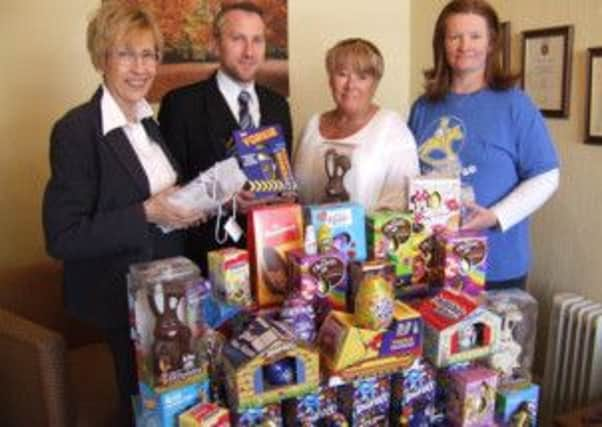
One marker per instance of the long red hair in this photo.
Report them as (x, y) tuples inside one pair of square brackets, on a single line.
[(439, 78)]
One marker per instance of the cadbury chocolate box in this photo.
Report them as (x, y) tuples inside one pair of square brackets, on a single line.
[(326, 272), (407, 245), (462, 260), (273, 231)]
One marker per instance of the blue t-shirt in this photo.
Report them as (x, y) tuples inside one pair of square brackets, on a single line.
[(498, 139)]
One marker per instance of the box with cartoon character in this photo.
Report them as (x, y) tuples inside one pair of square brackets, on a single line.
[(346, 222), (462, 261), (435, 202), (471, 397), (260, 416), (395, 236), (443, 377), (517, 406), (456, 329), (165, 298), (513, 355), (413, 395), (349, 351), (263, 158), (162, 409), (266, 364), (272, 232), (365, 402), (311, 409), (229, 274)]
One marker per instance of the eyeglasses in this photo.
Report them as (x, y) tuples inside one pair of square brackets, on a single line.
[(129, 57)]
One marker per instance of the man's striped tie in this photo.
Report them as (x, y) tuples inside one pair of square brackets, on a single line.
[(244, 115)]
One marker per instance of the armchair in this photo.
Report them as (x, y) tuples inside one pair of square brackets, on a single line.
[(54, 371)]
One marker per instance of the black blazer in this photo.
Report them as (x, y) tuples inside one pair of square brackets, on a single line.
[(197, 124), (93, 216)]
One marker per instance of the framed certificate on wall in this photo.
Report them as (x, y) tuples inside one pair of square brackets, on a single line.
[(593, 110), (547, 56)]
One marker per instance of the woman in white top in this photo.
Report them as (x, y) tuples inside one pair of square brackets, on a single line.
[(366, 148)]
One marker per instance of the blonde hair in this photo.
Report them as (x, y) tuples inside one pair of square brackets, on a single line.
[(113, 20), (363, 56)]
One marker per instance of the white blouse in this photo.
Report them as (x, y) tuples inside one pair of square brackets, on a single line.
[(158, 169), (383, 156)]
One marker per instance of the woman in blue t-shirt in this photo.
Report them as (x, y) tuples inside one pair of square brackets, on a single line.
[(474, 122)]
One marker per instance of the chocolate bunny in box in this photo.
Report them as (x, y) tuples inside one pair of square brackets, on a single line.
[(336, 166), (171, 346)]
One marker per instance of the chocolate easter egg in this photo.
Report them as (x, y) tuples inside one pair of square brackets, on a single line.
[(374, 303)]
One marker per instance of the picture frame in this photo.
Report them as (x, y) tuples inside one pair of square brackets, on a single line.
[(189, 53), (593, 98), (546, 68), (505, 40)]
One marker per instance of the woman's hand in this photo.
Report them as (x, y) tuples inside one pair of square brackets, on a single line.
[(160, 211), (478, 218)]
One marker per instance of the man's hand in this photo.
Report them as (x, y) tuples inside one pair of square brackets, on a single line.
[(288, 197), (245, 200)]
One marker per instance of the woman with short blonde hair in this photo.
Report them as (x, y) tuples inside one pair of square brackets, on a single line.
[(361, 54), (112, 22), (111, 175)]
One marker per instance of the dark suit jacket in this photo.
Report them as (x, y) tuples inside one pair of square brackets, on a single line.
[(197, 123), (93, 215)]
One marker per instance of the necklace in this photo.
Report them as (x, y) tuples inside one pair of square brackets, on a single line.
[(337, 126)]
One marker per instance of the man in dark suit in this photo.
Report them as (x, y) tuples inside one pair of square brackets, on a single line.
[(198, 120)]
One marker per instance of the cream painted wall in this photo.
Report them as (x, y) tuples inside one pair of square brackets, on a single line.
[(46, 70), (568, 230), (315, 26), (423, 16)]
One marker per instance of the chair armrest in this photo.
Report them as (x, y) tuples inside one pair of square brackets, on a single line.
[(33, 373)]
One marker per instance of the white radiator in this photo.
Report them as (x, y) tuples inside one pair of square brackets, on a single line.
[(573, 371)]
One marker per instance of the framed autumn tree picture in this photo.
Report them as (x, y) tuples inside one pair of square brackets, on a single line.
[(188, 55)]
